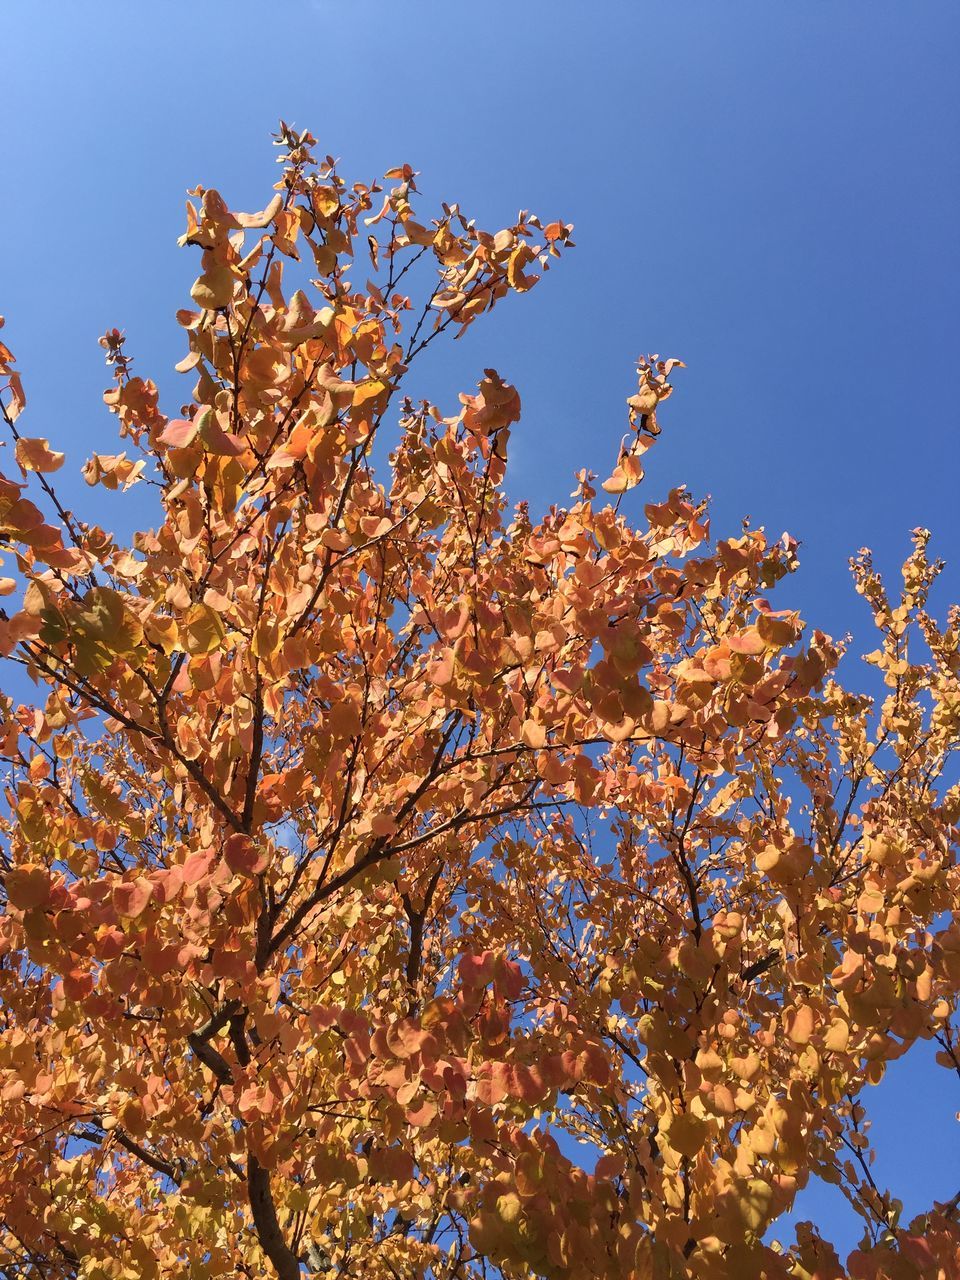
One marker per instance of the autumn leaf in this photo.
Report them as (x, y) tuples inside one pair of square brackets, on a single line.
[(215, 288), (800, 1024), (27, 886), (36, 455), (242, 855), (179, 433), (132, 897), (202, 630)]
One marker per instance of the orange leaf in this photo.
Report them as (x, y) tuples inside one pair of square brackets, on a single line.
[(800, 1024), (36, 455), (27, 886)]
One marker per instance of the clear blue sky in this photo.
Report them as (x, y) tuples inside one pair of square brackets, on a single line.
[(767, 189)]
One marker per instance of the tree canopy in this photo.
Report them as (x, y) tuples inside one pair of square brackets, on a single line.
[(400, 884)]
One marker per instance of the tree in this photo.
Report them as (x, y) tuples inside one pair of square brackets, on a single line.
[(396, 885)]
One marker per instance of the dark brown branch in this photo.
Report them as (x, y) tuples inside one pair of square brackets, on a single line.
[(285, 1261), (759, 967), (122, 1139), (199, 1042)]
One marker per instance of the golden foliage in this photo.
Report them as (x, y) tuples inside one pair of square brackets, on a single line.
[(368, 837)]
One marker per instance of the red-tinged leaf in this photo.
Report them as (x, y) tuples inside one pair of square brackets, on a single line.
[(422, 1115), (250, 1101), (383, 824), (476, 970), (609, 1166), (570, 1065), (77, 984), (526, 1084), (221, 443), (407, 1092), (442, 670), (197, 866), (130, 897), (243, 855), (179, 433), (27, 886), (748, 642), (168, 884), (404, 1039), (509, 977), (592, 1065), (492, 1083)]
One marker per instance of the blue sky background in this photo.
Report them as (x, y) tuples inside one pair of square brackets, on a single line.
[(767, 190)]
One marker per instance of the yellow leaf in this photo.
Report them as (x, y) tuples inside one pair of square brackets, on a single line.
[(755, 1203), (768, 858), (837, 1037), (161, 631), (202, 631), (368, 390), (687, 1134), (509, 1207), (214, 288)]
